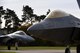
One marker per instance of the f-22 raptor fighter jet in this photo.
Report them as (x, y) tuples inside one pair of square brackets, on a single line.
[(60, 27)]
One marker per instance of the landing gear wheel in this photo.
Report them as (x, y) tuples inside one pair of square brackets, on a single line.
[(67, 50), (78, 48)]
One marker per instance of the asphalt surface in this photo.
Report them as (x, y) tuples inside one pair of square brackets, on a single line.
[(38, 51)]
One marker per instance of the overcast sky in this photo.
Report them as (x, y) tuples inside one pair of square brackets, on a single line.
[(42, 6)]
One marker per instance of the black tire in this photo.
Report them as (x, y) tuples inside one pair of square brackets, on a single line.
[(9, 47), (67, 50), (16, 48), (78, 48)]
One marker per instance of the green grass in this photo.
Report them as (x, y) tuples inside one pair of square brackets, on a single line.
[(36, 48), (44, 48)]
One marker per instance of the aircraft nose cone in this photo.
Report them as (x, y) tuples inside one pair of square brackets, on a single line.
[(30, 39)]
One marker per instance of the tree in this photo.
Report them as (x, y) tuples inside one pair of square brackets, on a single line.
[(42, 17), (7, 18), (48, 11), (11, 19), (39, 18), (14, 18), (2, 12), (27, 14)]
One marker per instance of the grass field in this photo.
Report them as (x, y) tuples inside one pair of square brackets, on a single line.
[(44, 48), (36, 48)]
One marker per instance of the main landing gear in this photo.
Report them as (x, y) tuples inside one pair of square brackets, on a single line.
[(67, 50), (78, 48)]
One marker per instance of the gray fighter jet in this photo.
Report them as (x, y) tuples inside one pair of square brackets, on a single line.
[(18, 36), (59, 27)]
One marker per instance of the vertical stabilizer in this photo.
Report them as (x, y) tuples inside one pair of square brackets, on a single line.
[(78, 3)]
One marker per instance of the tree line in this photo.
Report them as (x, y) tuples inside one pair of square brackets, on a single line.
[(12, 20)]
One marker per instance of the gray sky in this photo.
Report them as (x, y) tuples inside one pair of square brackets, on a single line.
[(42, 6)]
